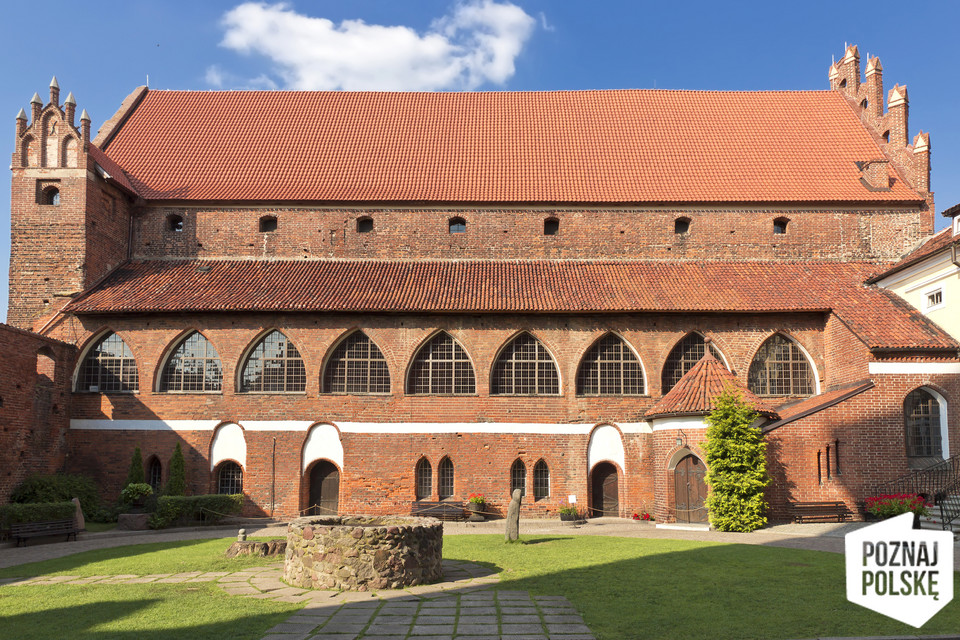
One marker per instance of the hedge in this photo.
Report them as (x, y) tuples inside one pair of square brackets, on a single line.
[(35, 512), (61, 487), (184, 509)]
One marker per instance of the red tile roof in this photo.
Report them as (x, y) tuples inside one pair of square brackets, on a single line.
[(574, 146), (934, 244), (111, 167), (696, 391), (544, 286)]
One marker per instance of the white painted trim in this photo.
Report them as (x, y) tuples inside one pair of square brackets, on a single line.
[(673, 424), (606, 444), (810, 361), (228, 444), (355, 427), (913, 368), (930, 262), (323, 443), (944, 429), (934, 279)]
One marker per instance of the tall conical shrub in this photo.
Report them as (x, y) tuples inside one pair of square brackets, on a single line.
[(135, 474), (177, 482), (737, 463)]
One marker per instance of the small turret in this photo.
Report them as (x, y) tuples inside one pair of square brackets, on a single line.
[(85, 129), (921, 152), (55, 92), (897, 114), (873, 87), (36, 106), (70, 108), (21, 122), (849, 71)]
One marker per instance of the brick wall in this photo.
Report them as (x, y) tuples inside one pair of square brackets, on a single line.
[(35, 398), (516, 233)]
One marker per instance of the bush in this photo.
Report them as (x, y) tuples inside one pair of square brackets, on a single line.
[(135, 474), (58, 488), (183, 509), (177, 482), (134, 491), (737, 463), (35, 512), (887, 506)]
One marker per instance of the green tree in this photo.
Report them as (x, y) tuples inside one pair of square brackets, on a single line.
[(736, 458), (135, 474), (177, 482)]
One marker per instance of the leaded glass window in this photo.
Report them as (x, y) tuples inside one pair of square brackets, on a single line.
[(109, 367), (780, 369), (441, 367), (688, 352), (921, 413), (518, 477), (525, 368), (541, 480), (230, 478), (424, 479), (356, 366), (610, 368), (274, 366), (445, 479), (193, 366)]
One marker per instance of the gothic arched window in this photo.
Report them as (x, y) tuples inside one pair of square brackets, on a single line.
[(610, 368), (445, 479), (441, 367), (518, 477), (921, 415), (780, 368), (109, 367), (274, 366), (683, 356), (356, 366), (424, 479), (541, 480), (194, 366), (525, 368), (229, 478)]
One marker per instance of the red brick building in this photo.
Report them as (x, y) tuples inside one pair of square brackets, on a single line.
[(359, 300)]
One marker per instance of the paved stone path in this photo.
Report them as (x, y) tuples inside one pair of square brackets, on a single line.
[(462, 606)]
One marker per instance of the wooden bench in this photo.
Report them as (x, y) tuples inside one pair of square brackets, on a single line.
[(26, 530), (820, 511), (440, 510)]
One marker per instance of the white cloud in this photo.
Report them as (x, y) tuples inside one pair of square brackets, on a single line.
[(476, 43)]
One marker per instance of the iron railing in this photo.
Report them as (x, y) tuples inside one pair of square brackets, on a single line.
[(938, 484)]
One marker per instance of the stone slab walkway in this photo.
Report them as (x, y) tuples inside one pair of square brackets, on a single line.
[(462, 606)]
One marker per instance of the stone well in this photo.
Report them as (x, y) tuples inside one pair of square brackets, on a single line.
[(362, 553)]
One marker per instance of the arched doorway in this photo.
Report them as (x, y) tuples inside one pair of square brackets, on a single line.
[(605, 500), (324, 488), (690, 489)]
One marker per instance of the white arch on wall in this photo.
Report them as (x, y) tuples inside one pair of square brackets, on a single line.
[(229, 443), (606, 443), (323, 442), (944, 429)]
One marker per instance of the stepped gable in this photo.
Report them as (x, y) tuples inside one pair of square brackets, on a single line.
[(618, 146), (696, 391), (536, 286)]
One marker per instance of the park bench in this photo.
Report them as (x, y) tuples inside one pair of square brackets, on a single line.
[(440, 510), (820, 511), (26, 530)]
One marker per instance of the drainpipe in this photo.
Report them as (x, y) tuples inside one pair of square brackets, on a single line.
[(273, 481)]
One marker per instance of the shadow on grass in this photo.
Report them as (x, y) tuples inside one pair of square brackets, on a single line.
[(660, 588)]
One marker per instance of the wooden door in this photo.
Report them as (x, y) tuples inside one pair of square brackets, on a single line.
[(324, 488), (606, 491), (691, 489)]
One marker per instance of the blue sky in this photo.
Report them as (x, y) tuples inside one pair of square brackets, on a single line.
[(103, 50)]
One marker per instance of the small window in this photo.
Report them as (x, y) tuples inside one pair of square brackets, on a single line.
[(175, 223), (364, 225), (51, 196), (935, 298), (551, 227), (445, 479), (154, 474), (541, 481), (864, 103), (424, 473), (268, 224), (230, 478), (458, 225), (886, 136), (780, 226), (681, 225), (518, 477), (843, 83)]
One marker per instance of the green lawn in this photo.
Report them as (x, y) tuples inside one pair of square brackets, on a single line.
[(624, 587)]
